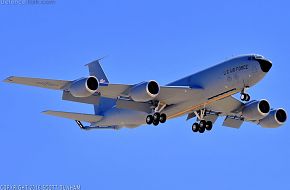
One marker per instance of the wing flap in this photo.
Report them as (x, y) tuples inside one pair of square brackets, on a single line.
[(137, 106), (114, 90), (94, 99), (176, 94), (232, 122), (227, 105), (38, 82), (75, 116)]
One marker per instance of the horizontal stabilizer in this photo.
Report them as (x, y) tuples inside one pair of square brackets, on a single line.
[(75, 116), (38, 82)]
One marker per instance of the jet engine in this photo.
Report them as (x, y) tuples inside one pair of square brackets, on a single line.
[(256, 110), (274, 119), (84, 87), (144, 91)]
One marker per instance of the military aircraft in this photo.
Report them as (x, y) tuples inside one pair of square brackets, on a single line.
[(205, 96)]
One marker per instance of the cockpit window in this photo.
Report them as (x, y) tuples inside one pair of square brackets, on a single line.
[(254, 57), (251, 58), (259, 57)]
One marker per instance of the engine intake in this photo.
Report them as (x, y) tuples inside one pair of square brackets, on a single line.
[(84, 87), (144, 91), (275, 119), (256, 110)]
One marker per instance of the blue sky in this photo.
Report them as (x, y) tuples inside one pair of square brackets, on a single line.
[(142, 40)]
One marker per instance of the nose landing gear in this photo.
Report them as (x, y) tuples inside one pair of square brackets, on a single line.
[(244, 96)]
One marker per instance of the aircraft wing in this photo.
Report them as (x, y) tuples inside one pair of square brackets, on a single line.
[(168, 94), (38, 82)]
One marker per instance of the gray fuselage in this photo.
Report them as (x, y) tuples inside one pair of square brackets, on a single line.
[(212, 84)]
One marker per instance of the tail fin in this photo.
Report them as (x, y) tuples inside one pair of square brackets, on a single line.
[(96, 70), (105, 104)]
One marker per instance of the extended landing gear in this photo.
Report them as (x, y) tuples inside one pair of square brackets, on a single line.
[(202, 126), (244, 96), (156, 118)]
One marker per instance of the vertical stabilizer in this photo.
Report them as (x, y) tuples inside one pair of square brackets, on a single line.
[(105, 104), (96, 70)]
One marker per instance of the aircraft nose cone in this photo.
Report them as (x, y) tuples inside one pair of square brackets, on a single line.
[(265, 65)]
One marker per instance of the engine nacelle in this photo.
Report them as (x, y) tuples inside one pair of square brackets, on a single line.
[(256, 110), (84, 87), (144, 91), (275, 119)]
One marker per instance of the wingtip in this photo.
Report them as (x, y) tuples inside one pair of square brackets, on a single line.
[(45, 112), (8, 79)]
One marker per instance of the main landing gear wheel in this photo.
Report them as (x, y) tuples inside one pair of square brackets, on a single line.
[(208, 125), (149, 119), (195, 127), (201, 129), (156, 118), (163, 118), (202, 124), (155, 122)]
